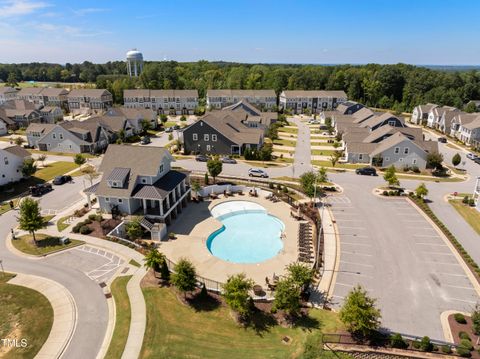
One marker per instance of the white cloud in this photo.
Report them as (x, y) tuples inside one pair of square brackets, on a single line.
[(88, 10), (15, 8), (66, 30)]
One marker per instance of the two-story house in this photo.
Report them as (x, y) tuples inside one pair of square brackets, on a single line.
[(314, 101), (89, 100), (420, 113), (44, 96), (21, 112), (140, 180), (173, 102), (51, 114), (7, 94), (11, 161), (262, 99)]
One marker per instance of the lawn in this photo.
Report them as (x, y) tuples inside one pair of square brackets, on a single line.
[(469, 214), (46, 244), (175, 330), (86, 155), (288, 129), (428, 178), (54, 169), (134, 263), (321, 144), (288, 143), (122, 317), (5, 207), (61, 225), (169, 124), (26, 314), (323, 152), (338, 165)]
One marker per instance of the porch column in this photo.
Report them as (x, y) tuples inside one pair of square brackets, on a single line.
[(160, 203), (174, 195), (144, 205), (168, 202), (89, 201)]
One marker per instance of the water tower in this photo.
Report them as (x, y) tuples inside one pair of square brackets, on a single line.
[(134, 62)]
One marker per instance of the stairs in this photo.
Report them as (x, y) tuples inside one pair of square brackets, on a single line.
[(145, 223)]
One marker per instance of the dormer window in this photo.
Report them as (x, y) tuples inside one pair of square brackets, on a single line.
[(144, 180), (161, 168)]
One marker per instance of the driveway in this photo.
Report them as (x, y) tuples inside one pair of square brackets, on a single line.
[(63, 196), (393, 252)]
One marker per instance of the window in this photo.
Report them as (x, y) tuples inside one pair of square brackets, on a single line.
[(107, 199), (360, 156), (400, 159), (61, 136), (397, 150), (144, 180), (54, 135), (414, 161), (405, 150), (387, 159), (206, 137), (214, 138), (120, 200), (208, 147), (161, 168), (391, 123), (6, 160), (195, 137)]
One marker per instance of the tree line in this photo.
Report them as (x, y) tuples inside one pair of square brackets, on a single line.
[(399, 87)]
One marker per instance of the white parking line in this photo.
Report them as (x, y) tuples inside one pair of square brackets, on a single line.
[(355, 244), (453, 274), (441, 263), (431, 244), (337, 296), (361, 228), (354, 235), (458, 286), (438, 253), (357, 254), (357, 274), (412, 220), (426, 235), (345, 285), (357, 264), (463, 300)]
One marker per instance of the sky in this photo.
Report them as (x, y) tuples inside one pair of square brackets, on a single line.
[(424, 32)]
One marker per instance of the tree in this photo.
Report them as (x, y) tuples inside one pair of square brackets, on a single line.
[(30, 218), (236, 294), (300, 274), (322, 175), (28, 167), (308, 182), (154, 259), (184, 276), (91, 173), (163, 118), (79, 159), (42, 158), (359, 313), (183, 118), (214, 167), (272, 131), (476, 319), (195, 188), (12, 80), (170, 136), (134, 229), (421, 191), (456, 159), (471, 107), (390, 176), (335, 157), (434, 160), (287, 297), (18, 141), (146, 125)]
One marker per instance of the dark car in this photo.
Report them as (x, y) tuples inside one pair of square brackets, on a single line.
[(176, 127), (366, 171), (59, 180), (202, 158), (169, 129), (229, 160), (442, 140), (40, 189), (145, 140), (477, 160)]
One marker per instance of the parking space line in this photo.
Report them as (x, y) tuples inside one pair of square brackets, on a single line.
[(361, 228), (356, 254), (453, 274), (463, 300), (459, 287), (431, 244), (357, 274), (426, 235), (355, 244), (337, 296), (438, 253), (345, 284), (442, 263), (357, 264), (412, 220), (354, 235)]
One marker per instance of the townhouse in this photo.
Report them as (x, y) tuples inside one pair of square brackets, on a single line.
[(135, 116), (262, 99), (20, 113), (44, 96), (435, 115), (51, 114), (89, 100), (172, 102), (420, 113), (254, 118), (11, 161), (7, 94), (314, 101)]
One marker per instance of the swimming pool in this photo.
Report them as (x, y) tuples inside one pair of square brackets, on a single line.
[(248, 235)]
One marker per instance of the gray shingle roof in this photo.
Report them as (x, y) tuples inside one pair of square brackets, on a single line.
[(119, 174), (240, 93), (161, 188), (314, 93)]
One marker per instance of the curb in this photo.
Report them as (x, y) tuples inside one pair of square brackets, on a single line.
[(447, 331)]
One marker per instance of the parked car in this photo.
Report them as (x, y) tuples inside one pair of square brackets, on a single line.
[(176, 127), (229, 160), (314, 122), (477, 160), (471, 156), (257, 172), (59, 180), (145, 140), (442, 140), (169, 129), (366, 171), (201, 158), (40, 189)]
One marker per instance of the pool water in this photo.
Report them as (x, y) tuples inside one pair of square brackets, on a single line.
[(248, 235)]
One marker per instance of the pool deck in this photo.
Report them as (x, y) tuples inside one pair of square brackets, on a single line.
[(195, 224)]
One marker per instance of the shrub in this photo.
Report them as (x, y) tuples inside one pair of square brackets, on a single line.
[(416, 344), (87, 221), (446, 349), (391, 193), (171, 235), (76, 228), (385, 193), (92, 216), (415, 169), (271, 185), (396, 341), (471, 202), (467, 344), (460, 318), (464, 335), (406, 168), (285, 189), (426, 345), (85, 230), (464, 352), (465, 200)]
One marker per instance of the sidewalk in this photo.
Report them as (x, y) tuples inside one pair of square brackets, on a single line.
[(64, 313)]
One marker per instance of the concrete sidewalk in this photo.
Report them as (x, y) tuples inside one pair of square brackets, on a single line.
[(64, 313)]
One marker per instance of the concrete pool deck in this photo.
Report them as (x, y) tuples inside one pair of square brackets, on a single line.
[(195, 225)]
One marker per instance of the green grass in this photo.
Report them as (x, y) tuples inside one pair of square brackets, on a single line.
[(339, 165), (288, 143), (133, 262), (86, 155), (287, 130), (469, 214), (5, 207), (428, 178), (322, 152), (170, 124), (122, 317), (46, 244), (54, 169), (175, 330), (263, 164), (26, 314), (61, 225), (321, 144), (48, 218)]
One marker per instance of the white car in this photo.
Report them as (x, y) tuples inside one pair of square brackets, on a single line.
[(257, 172), (471, 156)]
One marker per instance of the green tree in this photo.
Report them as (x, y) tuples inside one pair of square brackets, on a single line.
[(300, 274), (434, 160), (287, 297), (134, 229), (79, 159), (195, 188), (322, 175), (335, 157), (12, 80), (42, 158), (421, 191), (184, 276), (390, 176), (28, 167), (476, 319), (163, 118), (359, 313), (146, 125), (456, 159), (30, 218), (154, 259), (183, 118), (236, 294), (272, 131), (470, 107), (18, 141), (307, 182), (214, 167)]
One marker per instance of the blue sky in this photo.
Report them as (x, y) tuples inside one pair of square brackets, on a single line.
[(269, 31)]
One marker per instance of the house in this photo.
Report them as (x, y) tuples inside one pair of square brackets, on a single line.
[(51, 114), (135, 116), (173, 102), (363, 115), (314, 101), (420, 113), (253, 116), (3, 127), (222, 132), (89, 100), (21, 112), (6, 123), (470, 132), (386, 118), (435, 115), (262, 99), (7, 94), (445, 123), (11, 160), (140, 180), (460, 118), (44, 96), (349, 107)]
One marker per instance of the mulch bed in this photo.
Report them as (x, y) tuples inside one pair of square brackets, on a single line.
[(101, 229), (456, 328)]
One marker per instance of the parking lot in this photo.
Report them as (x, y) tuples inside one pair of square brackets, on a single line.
[(394, 253), (97, 264)]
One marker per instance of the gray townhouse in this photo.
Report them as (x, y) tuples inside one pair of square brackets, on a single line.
[(254, 118), (44, 96), (262, 99), (20, 112), (7, 94), (169, 102), (135, 116), (349, 107), (89, 100), (139, 180), (51, 114), (314, 101), (420, 113), (436, 113)]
